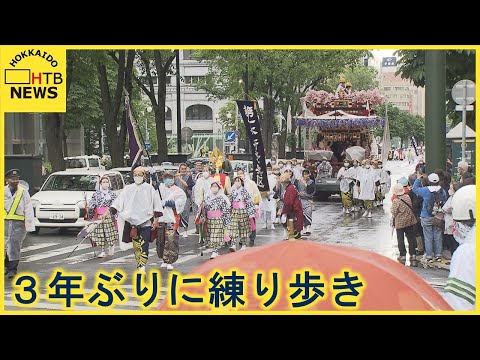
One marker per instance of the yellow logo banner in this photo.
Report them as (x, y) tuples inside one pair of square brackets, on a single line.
[(33, 79)]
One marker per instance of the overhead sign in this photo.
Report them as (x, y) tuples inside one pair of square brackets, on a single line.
[(389, 61), (230, 137)]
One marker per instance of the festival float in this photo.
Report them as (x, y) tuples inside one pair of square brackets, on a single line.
[(337, 127)]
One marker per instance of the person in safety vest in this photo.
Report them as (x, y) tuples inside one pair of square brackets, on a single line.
[(19, 219)]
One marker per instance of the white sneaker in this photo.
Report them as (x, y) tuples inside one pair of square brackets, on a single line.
[(369, 214), (185, 235), (352, 210), (365, 214), (213, 255), (169, 267), (232, 248), (244, 247), (164, 265), (102, 254), (272, 227), (277, 220), (264, 226), (111, 250), (347, 211)]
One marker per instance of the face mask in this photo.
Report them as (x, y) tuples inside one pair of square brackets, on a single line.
[(238, 185), (281, 166), (277, 173), (105, 186), (288, 167), (451, 192), (346, 165), (168, 182), (138, 179), (206, 174), (367, 166), (379, 166), (215, 190), (269, 172), (460, 231)]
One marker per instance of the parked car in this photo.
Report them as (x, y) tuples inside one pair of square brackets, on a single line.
[(83, 162), (191, 162), (60, 203), (126, 174)]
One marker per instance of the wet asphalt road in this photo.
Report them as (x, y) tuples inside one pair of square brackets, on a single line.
[(46, 252)]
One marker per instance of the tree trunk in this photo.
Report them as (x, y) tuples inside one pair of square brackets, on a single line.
[(111, 108), (161, 132), (54, 131), (65, 146)]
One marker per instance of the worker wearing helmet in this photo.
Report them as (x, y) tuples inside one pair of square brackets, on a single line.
[(460, 288)]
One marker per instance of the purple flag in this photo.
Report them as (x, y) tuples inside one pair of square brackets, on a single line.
[(134, 143)]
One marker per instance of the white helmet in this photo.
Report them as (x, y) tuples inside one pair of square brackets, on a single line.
[(463, 203)]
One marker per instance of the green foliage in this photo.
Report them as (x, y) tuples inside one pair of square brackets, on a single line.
[(402, 124), (460, 65), (361, 77)]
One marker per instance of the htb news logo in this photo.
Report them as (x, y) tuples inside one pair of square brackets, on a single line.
[(34, 79)]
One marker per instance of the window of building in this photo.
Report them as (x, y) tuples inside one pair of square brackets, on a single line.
[(192, 80), (168, 115), (188, 54), (144, 80), (387, 88), (199, 112), (168, 80)]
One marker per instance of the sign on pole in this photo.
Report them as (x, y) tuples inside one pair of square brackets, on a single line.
[(463, 93), (230, 137)]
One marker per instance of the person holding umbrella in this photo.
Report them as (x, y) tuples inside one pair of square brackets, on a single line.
[(19, 220), (105, 232)]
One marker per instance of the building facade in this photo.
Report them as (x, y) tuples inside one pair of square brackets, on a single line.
[(400, 92)]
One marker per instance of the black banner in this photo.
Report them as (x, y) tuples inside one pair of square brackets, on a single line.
[(248, 111)]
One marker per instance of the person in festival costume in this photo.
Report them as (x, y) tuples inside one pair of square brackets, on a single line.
[(268, 207), (306, 189), (344, 175), (254, 193), (139, 209), (368, 182), (199, 192), (105, 233), (185, 182), (18, 221), (354, 173), (218, 214), (243, 215), (220, 166), (174, 201), (340, 91), (291, 210)]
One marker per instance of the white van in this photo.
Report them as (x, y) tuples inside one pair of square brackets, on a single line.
[(60, 203), (85, 162)]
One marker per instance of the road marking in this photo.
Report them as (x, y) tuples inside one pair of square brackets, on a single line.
[(52, 253), (38, 246)]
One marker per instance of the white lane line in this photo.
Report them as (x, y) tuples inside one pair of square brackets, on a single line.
[(38, 246), (72, 260), (52, 253)]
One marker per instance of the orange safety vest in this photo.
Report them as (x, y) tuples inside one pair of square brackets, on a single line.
[(11, 214)]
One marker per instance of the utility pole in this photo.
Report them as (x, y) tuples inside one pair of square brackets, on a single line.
[(179, 111)]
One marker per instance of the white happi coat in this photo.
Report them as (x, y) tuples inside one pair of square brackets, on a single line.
[(344, 176), (269, 204), (385, 181), (137, 205), (202, 189), (15, 231), (367, 179), (175, 194), (354, 173)]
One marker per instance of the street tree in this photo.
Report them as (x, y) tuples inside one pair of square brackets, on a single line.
[(460, 65), (276, 78), (156, 64)]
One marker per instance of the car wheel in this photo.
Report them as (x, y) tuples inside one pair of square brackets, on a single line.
[(36, 231)]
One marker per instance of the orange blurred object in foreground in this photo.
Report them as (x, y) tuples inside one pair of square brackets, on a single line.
[(386, 284)]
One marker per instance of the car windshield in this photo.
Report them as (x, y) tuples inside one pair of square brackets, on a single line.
[(94, 163), (75, 163), (71, 183), (127, 177)]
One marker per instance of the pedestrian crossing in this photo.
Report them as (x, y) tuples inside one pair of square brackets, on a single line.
[(131, 303)]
